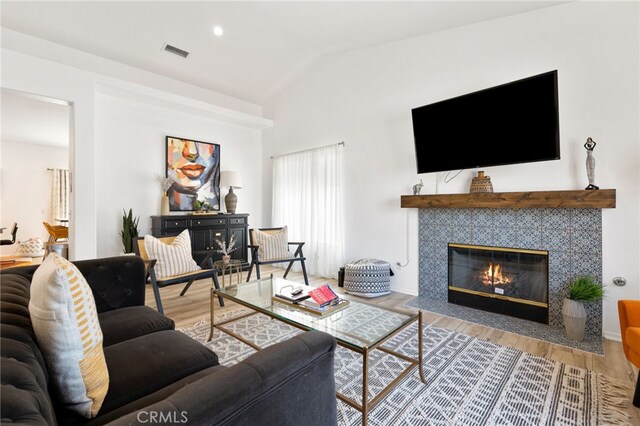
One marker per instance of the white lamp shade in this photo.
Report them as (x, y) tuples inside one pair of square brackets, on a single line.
[(230, 179)]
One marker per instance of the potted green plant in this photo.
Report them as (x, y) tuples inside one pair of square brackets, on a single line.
[(129, 231), (582, 290), (201, 206)]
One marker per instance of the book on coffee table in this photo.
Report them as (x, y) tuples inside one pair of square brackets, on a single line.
[(307, 306), (289, 297), (323, 296)]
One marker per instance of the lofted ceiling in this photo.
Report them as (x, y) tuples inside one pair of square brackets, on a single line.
[(264, 46)]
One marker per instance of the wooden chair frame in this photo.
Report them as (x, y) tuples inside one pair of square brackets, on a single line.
[(255, 260), (56, 232), (14, 231), (189, 278)]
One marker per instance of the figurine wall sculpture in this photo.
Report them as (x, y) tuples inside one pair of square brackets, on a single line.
[(589, 145)]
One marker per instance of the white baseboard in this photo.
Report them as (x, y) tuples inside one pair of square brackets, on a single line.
[(612, 336), (406, 290)]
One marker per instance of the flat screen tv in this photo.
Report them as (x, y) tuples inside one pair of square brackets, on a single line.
[(512, 123)]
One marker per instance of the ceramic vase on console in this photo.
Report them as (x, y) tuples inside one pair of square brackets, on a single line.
[(232, 180), (164, 205), (575, 319), (226, 258)]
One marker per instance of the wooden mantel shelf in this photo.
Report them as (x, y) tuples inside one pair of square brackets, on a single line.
[(581, 199)]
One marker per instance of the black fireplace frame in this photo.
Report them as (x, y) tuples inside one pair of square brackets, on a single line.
[(496, 303)]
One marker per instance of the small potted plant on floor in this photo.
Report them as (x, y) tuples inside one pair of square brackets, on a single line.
[(129, 231), (582, 290)]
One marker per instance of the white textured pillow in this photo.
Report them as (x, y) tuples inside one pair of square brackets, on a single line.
[(272, 246), (172, 259), (65, 322)]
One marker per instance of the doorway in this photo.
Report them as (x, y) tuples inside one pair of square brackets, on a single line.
[(35, 181)]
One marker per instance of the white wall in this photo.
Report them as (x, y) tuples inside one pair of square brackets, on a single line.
[(130, 140), (364, 97), (43, 68), (26, 188)]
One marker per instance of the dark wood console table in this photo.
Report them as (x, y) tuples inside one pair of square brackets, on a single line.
[(204, 230)]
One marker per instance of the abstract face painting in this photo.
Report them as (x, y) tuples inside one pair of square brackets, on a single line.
[(195, 168)]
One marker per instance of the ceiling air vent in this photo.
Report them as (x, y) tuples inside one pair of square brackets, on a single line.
[(172, 49)]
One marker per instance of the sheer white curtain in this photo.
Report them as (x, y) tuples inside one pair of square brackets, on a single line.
[(307, 197), (60, 186)]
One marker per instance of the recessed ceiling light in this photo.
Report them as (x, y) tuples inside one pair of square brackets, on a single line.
[(217, 30)]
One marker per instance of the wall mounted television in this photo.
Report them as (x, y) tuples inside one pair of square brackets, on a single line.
[(512, 123)]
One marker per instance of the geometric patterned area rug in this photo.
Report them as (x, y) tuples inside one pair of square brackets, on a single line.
[(469, 381), (535, 330)]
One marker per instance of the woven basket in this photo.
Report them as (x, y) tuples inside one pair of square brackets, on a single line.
[(31, 248), (481, 183)]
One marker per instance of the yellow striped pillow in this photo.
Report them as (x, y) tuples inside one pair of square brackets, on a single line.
[(65, 322)]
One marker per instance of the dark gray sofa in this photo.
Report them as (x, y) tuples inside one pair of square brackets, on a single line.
[(159, 375)]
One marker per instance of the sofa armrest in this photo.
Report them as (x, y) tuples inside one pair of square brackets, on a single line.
[(289, 383), (116, 282)]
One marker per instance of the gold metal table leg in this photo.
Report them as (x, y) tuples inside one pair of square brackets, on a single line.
[(420, 347), (211, 322), (224, 276), (365, 386)]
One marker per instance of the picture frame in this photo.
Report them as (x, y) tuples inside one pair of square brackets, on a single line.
[(195, 168)]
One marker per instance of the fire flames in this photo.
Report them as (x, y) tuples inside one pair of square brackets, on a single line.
[(493, 275)]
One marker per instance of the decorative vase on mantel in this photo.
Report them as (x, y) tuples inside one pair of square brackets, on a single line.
[(575, 319), (164, 205), (480, 184), (226, 258)]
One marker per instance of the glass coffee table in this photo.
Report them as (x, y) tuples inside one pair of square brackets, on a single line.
[(360, 327)]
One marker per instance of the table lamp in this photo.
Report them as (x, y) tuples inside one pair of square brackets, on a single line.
[(232, 180)]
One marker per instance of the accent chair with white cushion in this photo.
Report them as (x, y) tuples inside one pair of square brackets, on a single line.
[(169, 261), (271, 245)]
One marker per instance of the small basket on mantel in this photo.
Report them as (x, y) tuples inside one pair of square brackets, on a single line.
[(480, 184)]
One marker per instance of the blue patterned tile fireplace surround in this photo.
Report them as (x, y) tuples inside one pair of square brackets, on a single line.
[(573, 238)]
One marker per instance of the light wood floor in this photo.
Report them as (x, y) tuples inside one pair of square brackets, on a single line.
[(194, 306)]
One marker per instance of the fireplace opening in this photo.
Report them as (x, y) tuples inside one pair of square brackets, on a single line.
[(508, 281)]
